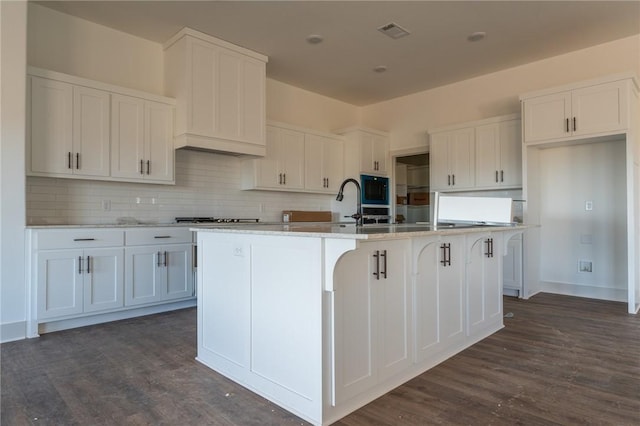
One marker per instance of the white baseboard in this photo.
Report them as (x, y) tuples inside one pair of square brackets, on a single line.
[(12, 331), (51, 326), (591, 292)]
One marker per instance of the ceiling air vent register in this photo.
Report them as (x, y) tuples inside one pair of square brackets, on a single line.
[(393, 30)]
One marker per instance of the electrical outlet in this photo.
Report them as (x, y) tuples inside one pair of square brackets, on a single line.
[(106, 205), (585, 266), (588, 205), (261, 207), (237, 251)]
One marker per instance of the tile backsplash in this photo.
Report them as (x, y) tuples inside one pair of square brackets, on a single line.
[(207, 184)]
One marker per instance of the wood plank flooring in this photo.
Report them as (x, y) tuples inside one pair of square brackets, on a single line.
[(559, 360)]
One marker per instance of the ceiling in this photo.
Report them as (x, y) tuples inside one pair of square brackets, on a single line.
[(435, 53)]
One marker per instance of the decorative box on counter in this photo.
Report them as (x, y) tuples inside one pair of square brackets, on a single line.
[(306, 216), (401, 199), (418, 198)]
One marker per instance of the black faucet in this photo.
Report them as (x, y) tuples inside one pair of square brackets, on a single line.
[(358, 215)]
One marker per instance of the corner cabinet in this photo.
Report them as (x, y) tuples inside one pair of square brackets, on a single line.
[(483, 154), (366, 151), (84, 129), (589, 109), (298, 160), (220, 89)]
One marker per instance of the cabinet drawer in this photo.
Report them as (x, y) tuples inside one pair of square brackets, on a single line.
[(142, 237), (79, 238)]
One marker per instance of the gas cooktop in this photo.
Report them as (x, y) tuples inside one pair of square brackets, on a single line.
[(214, 220)]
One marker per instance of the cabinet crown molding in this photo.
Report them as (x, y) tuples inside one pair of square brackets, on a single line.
[(186, 31), (112, 88), (490, 120), (585, 83), (361, 129)]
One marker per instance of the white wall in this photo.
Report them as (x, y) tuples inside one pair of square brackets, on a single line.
[(13, 38), (408, 118), (569, 177), (70, 45)]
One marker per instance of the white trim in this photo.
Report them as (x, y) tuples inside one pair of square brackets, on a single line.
[(113, 316), (306, 130), (79, 81), (361, 129), (13, 331), (581, 84), (591, 292), (210, 39), (467, 124)]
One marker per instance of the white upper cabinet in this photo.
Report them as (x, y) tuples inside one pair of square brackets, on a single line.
[(79, 128), (366, 151), (283, 166), (595, 108), (483, 154), (141, 139), (220, 90), (298, 160), (498, 155), (451, 157), (69, 130), (323, 163)]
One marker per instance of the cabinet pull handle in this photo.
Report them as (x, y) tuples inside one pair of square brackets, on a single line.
[(77, 160), (79, 265), (453, 180), (446, 254), (384, 263), (489, 252), (195, 255), (284, 178), (327, 182), (148, 167), (69, 166), (162, 236), (449, 180), (496, 176), (376, 255), (88, 264), (141, 167), (84, 239), (501, 175), (574, 124), (166, 258), (567, 123), (279, 178), (158, 259)]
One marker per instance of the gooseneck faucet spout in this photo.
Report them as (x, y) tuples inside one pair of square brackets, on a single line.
[(358, 215)]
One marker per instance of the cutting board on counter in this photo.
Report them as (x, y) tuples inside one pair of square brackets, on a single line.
[(306, 216)]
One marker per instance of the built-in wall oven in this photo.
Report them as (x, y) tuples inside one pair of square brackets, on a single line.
[(375, 190), (375, 199)]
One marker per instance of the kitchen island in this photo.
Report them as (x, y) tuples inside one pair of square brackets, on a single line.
[(322, 319)]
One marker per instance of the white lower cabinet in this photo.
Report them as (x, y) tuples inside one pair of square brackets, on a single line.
[(158, 273), (78, 272), (439, 289), (159, 265), (372, 314), (78, 281), (484, 282)]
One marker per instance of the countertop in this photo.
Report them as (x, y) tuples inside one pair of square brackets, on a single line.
[(350, 231)]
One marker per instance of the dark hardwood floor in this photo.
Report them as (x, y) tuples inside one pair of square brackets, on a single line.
[(559, 360)]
